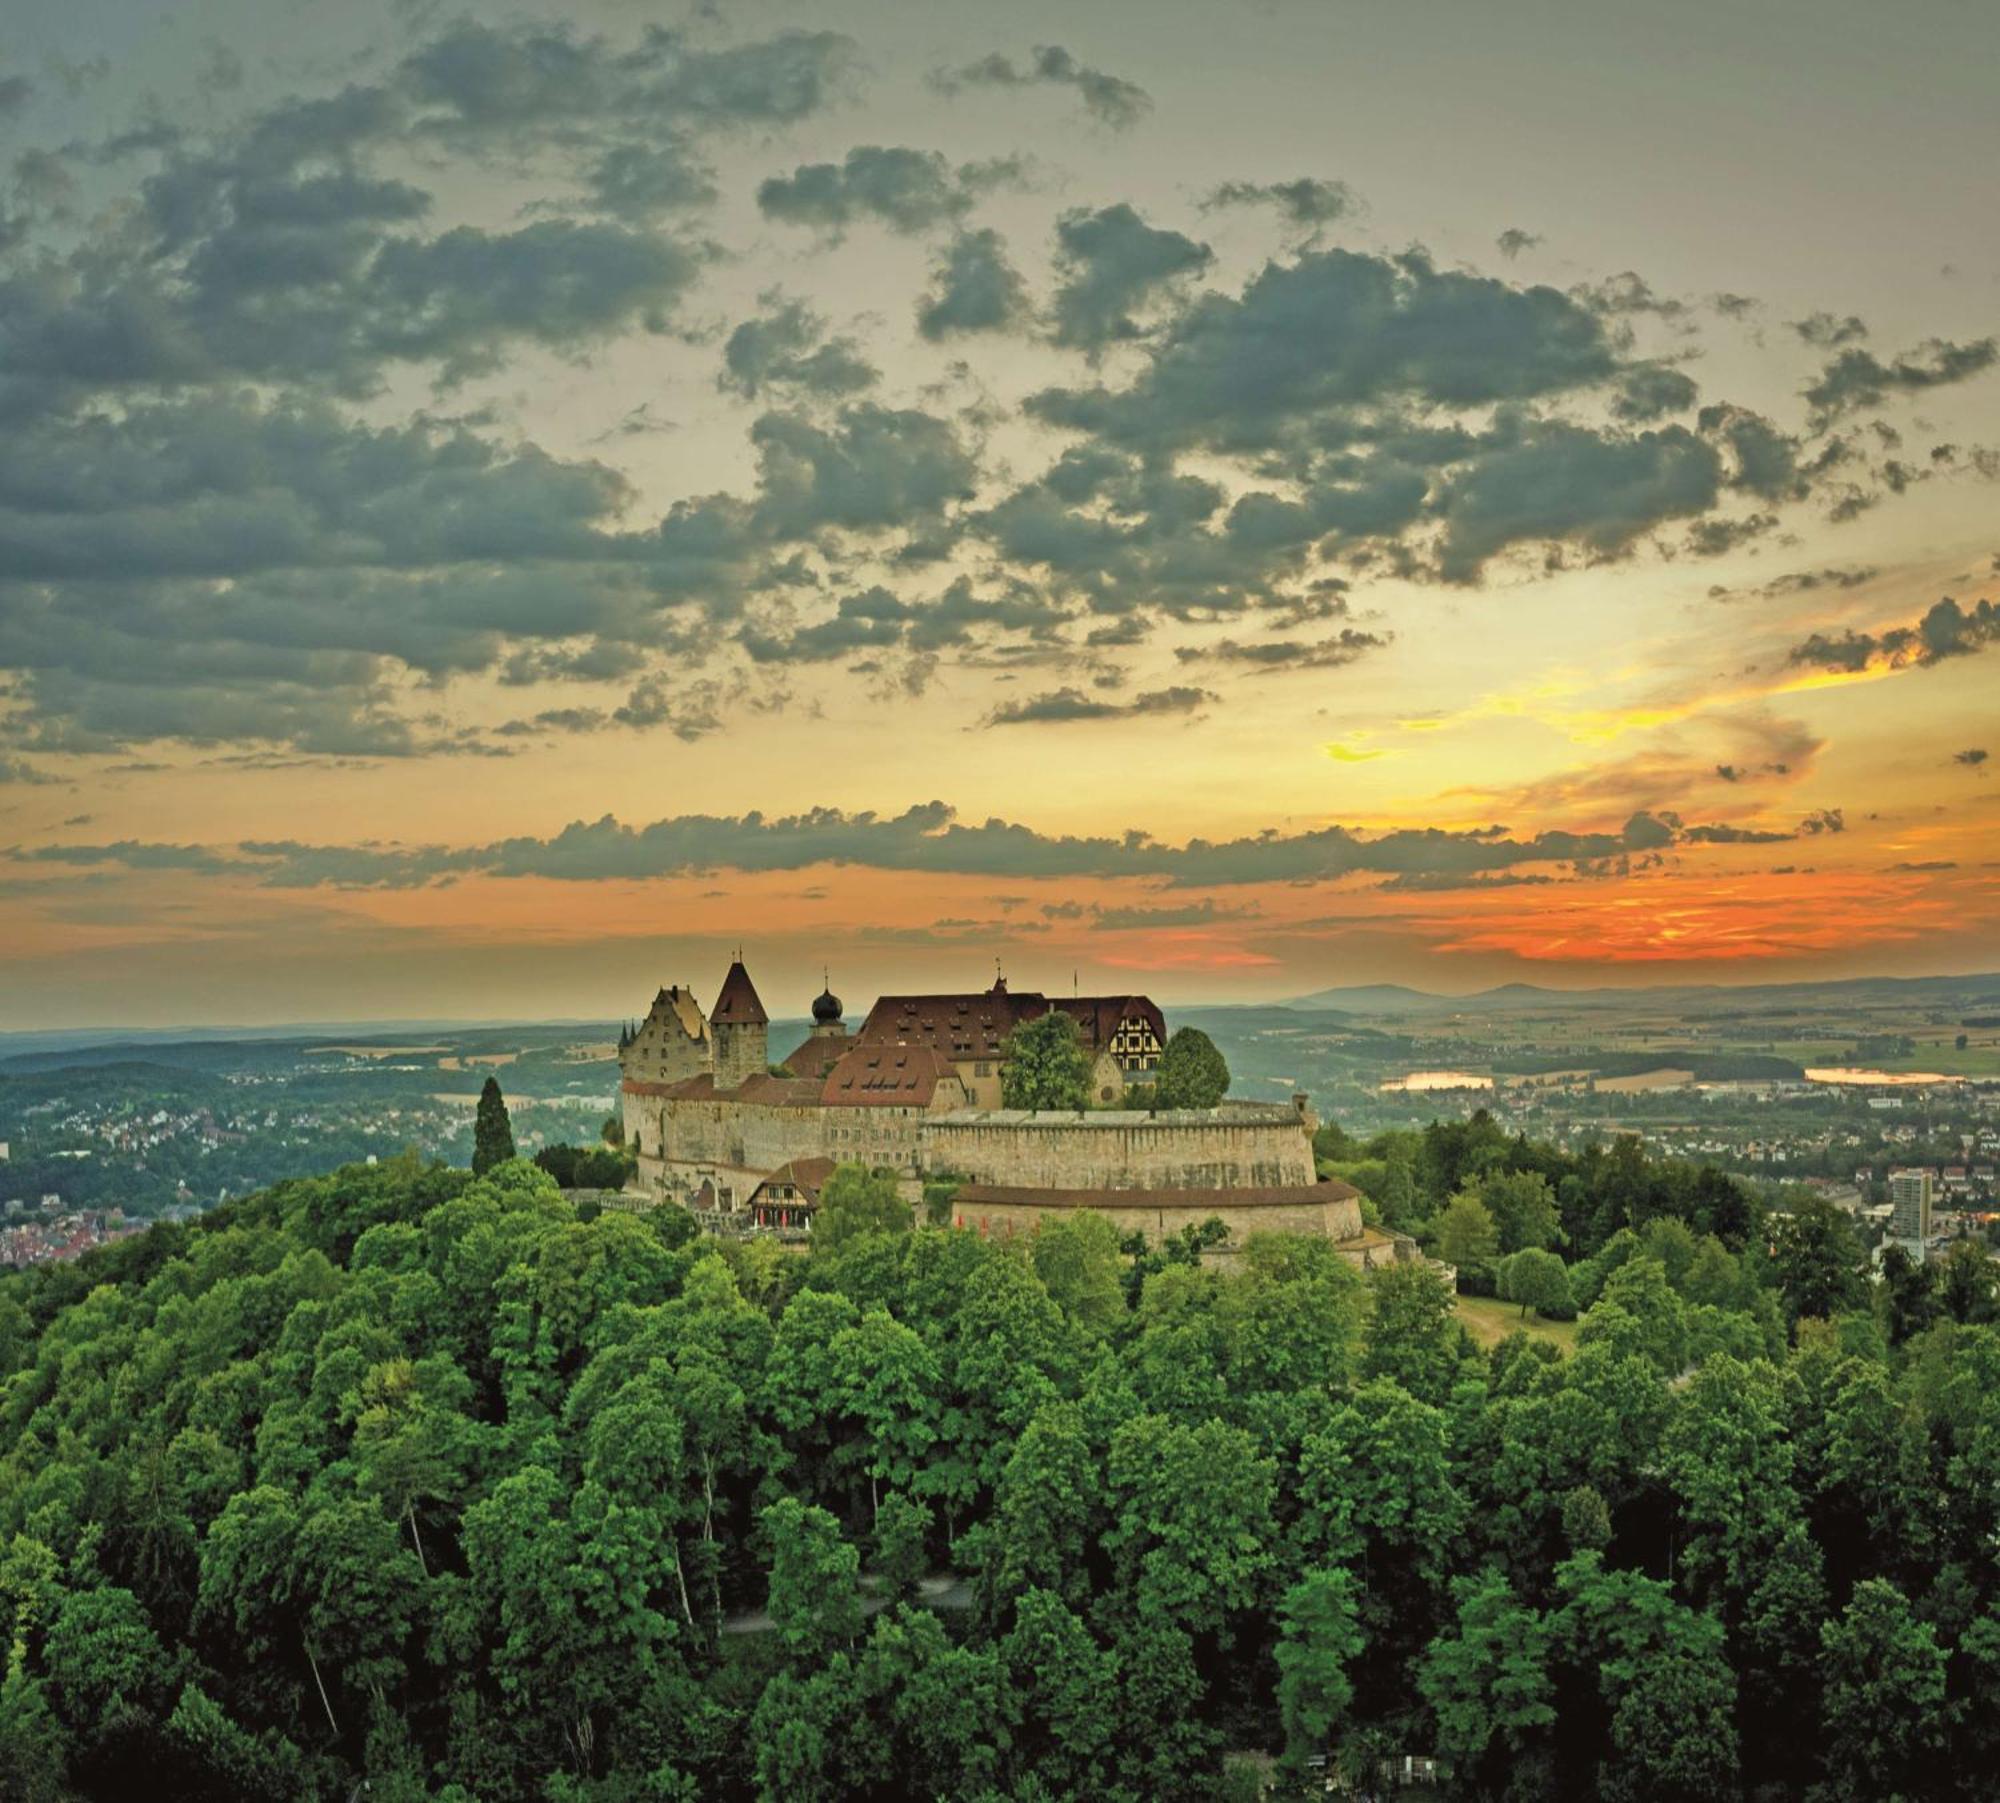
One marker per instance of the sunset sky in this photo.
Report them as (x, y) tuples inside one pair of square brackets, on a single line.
[(498, 508)]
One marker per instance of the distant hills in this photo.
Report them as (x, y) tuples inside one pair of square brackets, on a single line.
[(1516, 998)]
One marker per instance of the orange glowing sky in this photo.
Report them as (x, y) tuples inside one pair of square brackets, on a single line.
[(591, 499)]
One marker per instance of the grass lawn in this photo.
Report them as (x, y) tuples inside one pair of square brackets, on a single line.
[(1489, 1321)]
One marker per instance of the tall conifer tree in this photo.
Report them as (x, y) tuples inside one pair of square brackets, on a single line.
[(492, 1131)]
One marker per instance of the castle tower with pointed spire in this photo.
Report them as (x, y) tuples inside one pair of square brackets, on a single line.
[(738, 1026)]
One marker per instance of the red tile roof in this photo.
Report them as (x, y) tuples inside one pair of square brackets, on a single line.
[(807, 1175), (819, 1055), (887, 1076), (771, 1092), (738, 1005), (977, 1025)]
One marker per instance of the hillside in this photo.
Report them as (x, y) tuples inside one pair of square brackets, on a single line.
[(403, 1482), (1394, 998)]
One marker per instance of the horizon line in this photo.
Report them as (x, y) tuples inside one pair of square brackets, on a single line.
[(109, 1032)]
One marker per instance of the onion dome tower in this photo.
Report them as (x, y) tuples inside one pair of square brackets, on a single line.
[(826, 1015)]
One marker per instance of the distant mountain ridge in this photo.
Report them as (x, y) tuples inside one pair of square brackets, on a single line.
[(1398, 998)]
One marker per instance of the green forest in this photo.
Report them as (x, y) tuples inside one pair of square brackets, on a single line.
[(449, 1487)]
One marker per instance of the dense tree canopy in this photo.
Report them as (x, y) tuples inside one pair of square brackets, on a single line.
[(412, 1478), (1048, 1065), (1193, 1074)]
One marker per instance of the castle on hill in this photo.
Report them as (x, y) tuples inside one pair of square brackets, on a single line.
[(917, 1089)]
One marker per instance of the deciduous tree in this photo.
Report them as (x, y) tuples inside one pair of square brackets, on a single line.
[(1537, 1280), (1193, 1074), (1047, 1065)]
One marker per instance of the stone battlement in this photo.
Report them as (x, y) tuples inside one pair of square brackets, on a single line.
[(1103, 1120), (1243, 1145)]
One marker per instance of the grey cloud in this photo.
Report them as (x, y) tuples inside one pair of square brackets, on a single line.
[(959, 616), (1513, 241), (1650, 391), (1946, 630), (223, 487), (477, 79), (1062, 706), (459, 296), (208, 568), (689, 709), (1971, 758), (1803, 582), (601, 660), (1858, 378), (1423, 882), (1307, 201), (872, 619), (15, 93), (776, 81), (640, 181), (1714, 537), (974, 289), (276, 250), (1731, 835), (133, 854), (1567, 483), (926, 838), (1338, 329), (874, 469), (1195, 914), (635, 422), (1109, 99), (1649, 832), (1829, 331), (1344, 647), (1124, 534), (303, 299), (785, 347), (1112, 262), (1765, 460), (907, 190), (20, 772), (1628, 292)]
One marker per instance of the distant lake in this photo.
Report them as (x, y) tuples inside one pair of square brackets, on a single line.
[(1418, 1080), (1847, 1073)]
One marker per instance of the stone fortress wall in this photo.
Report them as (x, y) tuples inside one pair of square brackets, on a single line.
[(735, 1145), (1240, 1145), (1334, 1213), (732, 1145)]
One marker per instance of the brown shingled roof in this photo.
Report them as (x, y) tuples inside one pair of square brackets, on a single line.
[(977, 1025), (819, 1055), (807, 1175), (886, 1076), (772, 1092), (738, 1005), (1099, 1016)]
